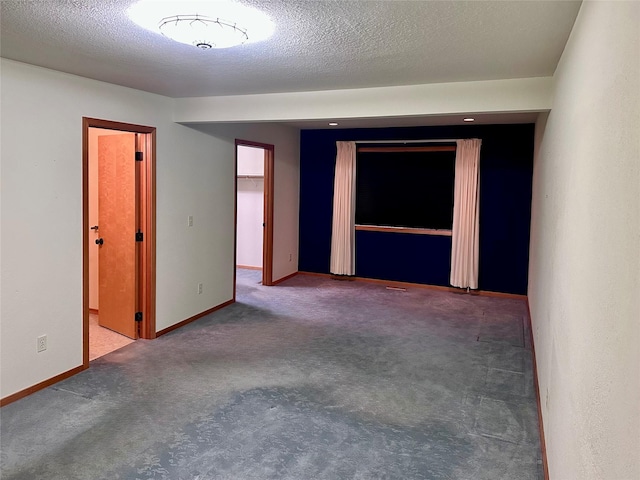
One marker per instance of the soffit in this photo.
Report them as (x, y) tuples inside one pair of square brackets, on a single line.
[(419, 121)]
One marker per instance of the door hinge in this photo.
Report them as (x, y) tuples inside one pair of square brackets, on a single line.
[(139, 156), (138, 316), (139, 236)]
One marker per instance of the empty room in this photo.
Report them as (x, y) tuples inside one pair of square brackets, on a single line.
[(432, 272)]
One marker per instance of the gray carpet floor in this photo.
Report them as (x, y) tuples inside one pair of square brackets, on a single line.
[(312, 379)]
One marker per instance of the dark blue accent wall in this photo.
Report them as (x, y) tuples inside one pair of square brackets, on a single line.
[(506, 170)]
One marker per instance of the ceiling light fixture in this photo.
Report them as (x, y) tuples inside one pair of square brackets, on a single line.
[(468, 119), (333, 124), (203, 32), (203, 23)]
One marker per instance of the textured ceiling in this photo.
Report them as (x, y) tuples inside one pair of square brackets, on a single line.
[(317, 45)]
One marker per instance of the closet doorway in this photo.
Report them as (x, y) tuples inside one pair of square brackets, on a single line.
[(254, 208)]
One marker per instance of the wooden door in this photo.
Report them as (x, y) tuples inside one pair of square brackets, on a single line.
[(117, 262)]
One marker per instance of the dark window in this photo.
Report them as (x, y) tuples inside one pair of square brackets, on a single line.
[(405, 188)]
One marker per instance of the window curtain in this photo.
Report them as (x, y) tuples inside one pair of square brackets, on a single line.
[(466, 214), (344, 211)]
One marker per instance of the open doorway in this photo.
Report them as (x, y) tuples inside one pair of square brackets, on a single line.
[(108, 180), (118, 235), (254, 208)]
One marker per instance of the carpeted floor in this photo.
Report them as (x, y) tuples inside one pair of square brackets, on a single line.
[(312, 379)]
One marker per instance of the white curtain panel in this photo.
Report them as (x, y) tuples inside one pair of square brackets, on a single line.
[(465, 237), (343, 260)]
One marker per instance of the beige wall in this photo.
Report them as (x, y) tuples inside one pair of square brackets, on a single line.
[(41, 221), (584, 276), (286, 183)]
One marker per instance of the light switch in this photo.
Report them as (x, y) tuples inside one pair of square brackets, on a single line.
[(190, 221)]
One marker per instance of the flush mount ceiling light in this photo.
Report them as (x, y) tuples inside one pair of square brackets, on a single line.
[(203, 23), (468, 119), (203, 32)]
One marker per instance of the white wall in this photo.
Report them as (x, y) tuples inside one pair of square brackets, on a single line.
[(250, 206), (41, 218), (286, 183), (584, 276), (250, 215), (250, 160), (492, 96), (94, 300)]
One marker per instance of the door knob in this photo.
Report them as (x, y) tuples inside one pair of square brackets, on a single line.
[(99, 241)]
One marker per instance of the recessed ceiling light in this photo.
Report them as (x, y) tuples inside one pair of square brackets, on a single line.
[(203, 23), (333, 124), (468, 119)]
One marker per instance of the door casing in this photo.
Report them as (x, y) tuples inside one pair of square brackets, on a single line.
[(146, 211), (267, 231)]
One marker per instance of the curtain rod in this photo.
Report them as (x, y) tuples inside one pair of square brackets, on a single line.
[(440, 140)]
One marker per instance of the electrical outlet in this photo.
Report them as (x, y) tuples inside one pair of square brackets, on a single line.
[(42, 343), (190, 221), (199, 288), (290, 256)]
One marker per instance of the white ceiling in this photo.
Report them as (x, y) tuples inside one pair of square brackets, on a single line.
[(318, 45)]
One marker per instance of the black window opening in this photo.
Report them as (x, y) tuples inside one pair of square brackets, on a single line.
[(410, 189)]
